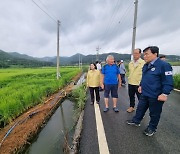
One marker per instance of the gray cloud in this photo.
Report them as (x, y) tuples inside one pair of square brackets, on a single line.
[(86, 24)]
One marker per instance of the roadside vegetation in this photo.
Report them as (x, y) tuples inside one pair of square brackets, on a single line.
[(21, 89), (177, 63), (79, 97), (177, 81)]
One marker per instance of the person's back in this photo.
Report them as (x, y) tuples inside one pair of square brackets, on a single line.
[(122, 68), (98, 66)]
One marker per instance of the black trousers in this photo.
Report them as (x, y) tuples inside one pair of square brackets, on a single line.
[(132, 90), (96, 89), (123, 78)]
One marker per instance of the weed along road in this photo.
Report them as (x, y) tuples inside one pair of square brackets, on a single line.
[(120, 138)]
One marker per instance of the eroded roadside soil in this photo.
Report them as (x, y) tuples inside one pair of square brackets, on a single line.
[(31, 122)]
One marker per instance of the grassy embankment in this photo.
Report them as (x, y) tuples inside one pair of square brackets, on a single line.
[(79, 96), (21, 89), (177, 63), (177, 81)]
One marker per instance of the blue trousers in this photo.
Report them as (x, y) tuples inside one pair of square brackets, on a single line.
[(155, 109)]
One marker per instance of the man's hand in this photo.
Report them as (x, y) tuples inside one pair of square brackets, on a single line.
[(140, 89), (162, 97), (102, 86), (119, 85)]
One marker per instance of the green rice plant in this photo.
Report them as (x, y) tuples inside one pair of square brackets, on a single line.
[(21, 89)]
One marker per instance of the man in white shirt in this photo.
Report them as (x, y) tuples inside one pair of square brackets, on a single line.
[(98, 65)]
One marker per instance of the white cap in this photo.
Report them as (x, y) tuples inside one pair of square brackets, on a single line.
[(122, 61)]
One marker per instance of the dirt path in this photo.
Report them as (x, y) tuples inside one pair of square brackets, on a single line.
[(31, 122)]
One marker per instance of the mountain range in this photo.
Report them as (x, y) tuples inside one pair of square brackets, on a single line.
[(14, 58), (20, 60)]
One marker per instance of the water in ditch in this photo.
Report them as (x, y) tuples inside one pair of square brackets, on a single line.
[(51, 139)]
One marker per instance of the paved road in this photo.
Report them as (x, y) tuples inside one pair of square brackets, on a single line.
[(125, 139)]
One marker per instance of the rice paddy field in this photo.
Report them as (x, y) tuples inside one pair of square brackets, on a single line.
[(23, 88)]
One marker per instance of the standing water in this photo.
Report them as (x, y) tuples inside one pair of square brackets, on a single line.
[(81, 80), (51, 138)]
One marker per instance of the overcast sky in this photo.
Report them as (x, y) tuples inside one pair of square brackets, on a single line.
[(86, 24)]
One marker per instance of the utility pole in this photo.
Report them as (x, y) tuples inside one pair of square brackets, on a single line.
[(58, 72), (134, 26), (79, 60), (97, 56)]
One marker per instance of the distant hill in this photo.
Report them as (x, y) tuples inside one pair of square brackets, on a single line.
[(21, 60), (74, 60), (18, 55), (15, 58)]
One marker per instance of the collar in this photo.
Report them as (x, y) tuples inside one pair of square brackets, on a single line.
[(138, 61), (111, 65), (152, 62)]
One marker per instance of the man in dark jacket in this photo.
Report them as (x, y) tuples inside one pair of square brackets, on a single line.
[(155, 86)]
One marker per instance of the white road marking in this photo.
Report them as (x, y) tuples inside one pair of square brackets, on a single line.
[(103, 146)]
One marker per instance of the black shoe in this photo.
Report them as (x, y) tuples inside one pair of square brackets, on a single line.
[(106, 109), (115, 109), (149, 132), (131, 122)]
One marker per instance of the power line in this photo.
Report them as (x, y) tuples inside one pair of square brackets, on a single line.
[(55, 19), (122, 19), (108, 30), (111, 19), (70, 42), (58, 27), (108, 26), (44, 11), (52, 14)]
